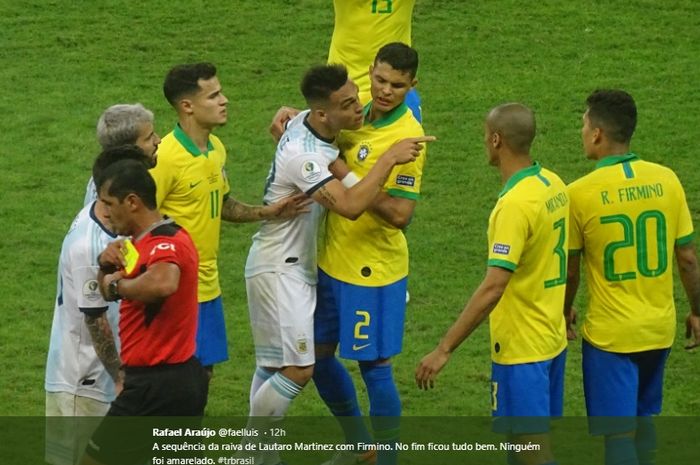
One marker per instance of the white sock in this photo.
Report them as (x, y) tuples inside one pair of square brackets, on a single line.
[(259, 377), (269, 404)]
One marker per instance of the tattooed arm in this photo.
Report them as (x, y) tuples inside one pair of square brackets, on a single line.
[(105, 347), (239, 212)]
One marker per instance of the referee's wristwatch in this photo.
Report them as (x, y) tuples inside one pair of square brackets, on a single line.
[(113, 289)]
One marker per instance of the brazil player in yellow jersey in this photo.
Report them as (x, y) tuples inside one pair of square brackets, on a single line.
[(363, 264), (361, 28), (629, 218), (193, 189), (522, 292)]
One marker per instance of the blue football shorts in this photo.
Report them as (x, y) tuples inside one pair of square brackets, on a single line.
[(525, 396), (619, 387), (212, 346), (366, 322)]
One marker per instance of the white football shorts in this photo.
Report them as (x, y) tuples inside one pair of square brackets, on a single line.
[(281, 308)]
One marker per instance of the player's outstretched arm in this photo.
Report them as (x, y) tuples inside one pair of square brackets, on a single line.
[(689, 272), (289, 207), (351, 202), (573, 277), (481, 303)]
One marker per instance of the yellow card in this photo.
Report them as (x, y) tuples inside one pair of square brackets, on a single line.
[(131, 255)]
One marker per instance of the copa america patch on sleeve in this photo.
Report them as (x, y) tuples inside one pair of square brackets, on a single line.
[(403, 180), (501, 249), (310, 171)]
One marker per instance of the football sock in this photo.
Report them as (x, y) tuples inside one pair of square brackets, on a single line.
[(384, 408), (645, 441), (620, 450), (259, 377), (269, 404), (337, 390)]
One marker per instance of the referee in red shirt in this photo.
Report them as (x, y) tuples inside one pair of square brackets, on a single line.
[(157, 285)]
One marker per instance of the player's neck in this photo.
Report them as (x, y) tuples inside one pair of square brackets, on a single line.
[(512, 164), (321, 129), (197, 134), (612, 149)]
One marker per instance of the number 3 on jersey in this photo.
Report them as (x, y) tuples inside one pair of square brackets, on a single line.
[(561, 254)]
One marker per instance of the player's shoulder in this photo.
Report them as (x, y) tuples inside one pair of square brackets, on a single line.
[(169, 149), (658, 169)]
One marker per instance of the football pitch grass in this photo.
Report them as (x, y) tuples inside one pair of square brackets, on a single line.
[(63, 63)]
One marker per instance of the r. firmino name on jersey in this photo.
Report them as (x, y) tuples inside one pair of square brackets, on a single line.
[(633, 193), (556, 202)]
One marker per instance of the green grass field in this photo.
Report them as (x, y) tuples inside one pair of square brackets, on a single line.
[(63, 63)]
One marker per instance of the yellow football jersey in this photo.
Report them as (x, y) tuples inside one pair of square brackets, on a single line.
[(528, 235), (361, 28), (190, 188), (626, 218), (369, 251)]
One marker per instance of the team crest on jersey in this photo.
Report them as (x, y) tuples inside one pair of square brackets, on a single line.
[(363, 151), (310, 171), (91, 290), (501, 249), (302, 346)]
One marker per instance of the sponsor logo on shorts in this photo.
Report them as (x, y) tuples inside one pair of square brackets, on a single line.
[(502, 249), (403, 180), (360, 346)]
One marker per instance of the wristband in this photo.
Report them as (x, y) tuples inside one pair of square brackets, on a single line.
[(350, 180)]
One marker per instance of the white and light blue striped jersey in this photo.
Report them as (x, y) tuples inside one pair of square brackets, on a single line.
[(72, 365), (90, 192), (300, 165)]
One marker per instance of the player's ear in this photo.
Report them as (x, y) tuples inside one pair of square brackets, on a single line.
[(185, 106), (371, 68), (414, 83), (496, 140), (132, 201)]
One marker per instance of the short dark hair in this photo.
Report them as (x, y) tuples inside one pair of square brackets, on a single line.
[(400, 56), (128, 177), (515, 123), (320, 82), (183, 79), (615, 112), (114, 154)]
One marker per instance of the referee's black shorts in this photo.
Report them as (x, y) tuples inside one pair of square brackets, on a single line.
[(161, 391)]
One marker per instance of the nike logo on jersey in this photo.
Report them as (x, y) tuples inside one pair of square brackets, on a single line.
[(194, 184), (360, 347)]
